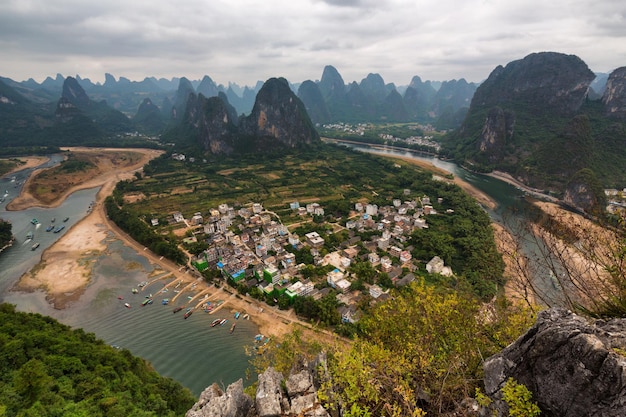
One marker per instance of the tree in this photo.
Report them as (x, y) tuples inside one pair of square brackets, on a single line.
[(562, 259)]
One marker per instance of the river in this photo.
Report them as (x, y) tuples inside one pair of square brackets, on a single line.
[(188, 350)]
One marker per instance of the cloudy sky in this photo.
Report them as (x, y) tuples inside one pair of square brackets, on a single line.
[(248, 40)]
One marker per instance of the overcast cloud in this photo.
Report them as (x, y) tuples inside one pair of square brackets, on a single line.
[(248, 40)]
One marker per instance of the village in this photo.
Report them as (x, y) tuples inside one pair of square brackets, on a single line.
[(254, 250)]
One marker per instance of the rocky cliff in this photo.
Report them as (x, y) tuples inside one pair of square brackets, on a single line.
[(614, 97), (573, 367), (539, 85), (278, 118), (533, 119), (280, 115), (275, 396)]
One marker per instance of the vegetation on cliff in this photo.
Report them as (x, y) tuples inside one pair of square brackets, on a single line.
[(48, 369), (419, 352)]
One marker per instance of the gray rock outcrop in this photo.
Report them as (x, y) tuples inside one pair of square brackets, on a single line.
[(573, 368), (275, 396), (614, 97)]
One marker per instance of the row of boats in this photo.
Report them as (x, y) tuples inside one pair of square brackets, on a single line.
[(189, 310)]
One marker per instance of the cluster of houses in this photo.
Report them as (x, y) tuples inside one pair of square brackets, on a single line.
[(616, 200), (412, 140), (249, 245)]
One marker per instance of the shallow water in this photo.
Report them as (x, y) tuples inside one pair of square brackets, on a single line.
[(189, 351)]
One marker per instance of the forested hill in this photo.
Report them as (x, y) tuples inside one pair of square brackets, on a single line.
[(535, 119), (48, 369)]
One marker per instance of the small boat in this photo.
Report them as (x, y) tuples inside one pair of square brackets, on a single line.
[(216, 322), (58, 229), (143, 283), (177, 309), (187, 314), (65, 219), (54, 219), (126, 305), (134, 291), (232, 328), (246, 316), (146, 302), (165, 301), (35, 246), (119, 297), (34, 221), (49, 228), (223, 322), (237, 315), (29, 236), (258, 337)]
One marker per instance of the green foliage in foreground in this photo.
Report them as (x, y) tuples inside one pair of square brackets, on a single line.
[(48, 369), (420, 351)]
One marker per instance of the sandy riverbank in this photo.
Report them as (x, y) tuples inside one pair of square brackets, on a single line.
[(28, 162), (66, 267)]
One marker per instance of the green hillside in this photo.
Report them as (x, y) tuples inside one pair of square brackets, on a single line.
[(48, 369)]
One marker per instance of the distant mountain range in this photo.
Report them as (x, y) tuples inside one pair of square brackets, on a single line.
[(546, 119), (370, 100)]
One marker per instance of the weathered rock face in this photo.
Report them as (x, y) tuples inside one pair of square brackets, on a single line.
[(275, 397), (573, 368), (497, 130), (212, 119), (74, 93), (278, 118), (279, 114), (614, 97), (543, 80)]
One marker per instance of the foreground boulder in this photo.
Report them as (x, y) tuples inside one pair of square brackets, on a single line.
[(572, 367), (275, 396)]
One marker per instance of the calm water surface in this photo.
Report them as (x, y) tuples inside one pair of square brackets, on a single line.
[(190, 350)]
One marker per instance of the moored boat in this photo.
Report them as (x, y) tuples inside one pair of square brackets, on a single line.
[(216, 322), (165, 301), (126, 305), (177, 309), (246, 316), (35, 246), (29, 236), (34, 221), (119, 297), (232, 328), (187, 314), (49, 228), (146, 301), (66, 219), (237, 315), (134, 291), (223, 322), (58, 229)]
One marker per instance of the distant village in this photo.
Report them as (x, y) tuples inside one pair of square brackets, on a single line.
[(616, 200), (249, 245)]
